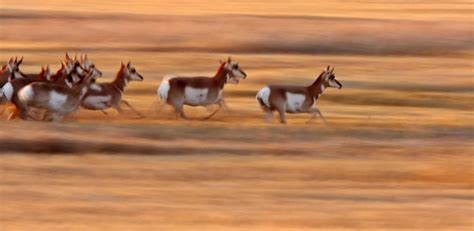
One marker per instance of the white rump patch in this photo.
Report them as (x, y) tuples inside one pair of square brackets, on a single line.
[(164, 88), (26, 94), (294, 102), (195, 96), (98, 102), (95, 87), (7, 91), (264, 95), (56, 100)]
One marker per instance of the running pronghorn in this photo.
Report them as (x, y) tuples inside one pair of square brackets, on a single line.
[(101, 96), (57, 99), (18, 83), (199, 91), (296, 99)]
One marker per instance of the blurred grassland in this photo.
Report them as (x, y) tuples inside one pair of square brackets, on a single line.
[(397, 153)]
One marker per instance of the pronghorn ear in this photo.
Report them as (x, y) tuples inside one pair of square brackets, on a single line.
[(67, 56), (327, 69), (10, 60), (229, 59), (19, 62), (221, 62), (332, 69), (121, 63), (128, 64)]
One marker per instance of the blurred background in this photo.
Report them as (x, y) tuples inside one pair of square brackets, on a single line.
[(397, 153)]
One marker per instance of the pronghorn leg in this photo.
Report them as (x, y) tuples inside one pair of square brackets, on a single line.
[(224, 106), (118, 108), (315, 113), (180, 112), (281, 111), (268, 115), (281, 108), (133, 109), (157, 107), (57, 117), (13, 113), (177, 101), (214, 112)]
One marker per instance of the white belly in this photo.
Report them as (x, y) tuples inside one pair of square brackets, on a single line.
[(97, 102), (56, 101), (95, 87), (294, 102), (195, 96)]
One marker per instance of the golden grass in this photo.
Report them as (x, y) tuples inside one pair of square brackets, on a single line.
[(397, 153)]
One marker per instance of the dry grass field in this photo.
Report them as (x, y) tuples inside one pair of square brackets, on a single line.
[(397, 153)]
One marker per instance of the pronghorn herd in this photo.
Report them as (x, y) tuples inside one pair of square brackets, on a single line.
[(51, 97)]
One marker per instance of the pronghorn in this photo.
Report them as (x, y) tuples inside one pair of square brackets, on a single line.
[(199, 91), (18, 83), (296, 99), (57, 99), (101, 96)]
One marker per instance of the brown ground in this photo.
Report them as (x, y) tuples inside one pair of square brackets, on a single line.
[(397, 153)]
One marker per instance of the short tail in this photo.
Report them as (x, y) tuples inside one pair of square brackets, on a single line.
[(164, 88)]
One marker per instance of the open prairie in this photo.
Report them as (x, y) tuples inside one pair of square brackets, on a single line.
[(397, 152)]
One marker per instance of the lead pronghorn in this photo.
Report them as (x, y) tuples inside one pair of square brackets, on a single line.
[(178, 91), (57, 99), (101, 96), (296, 99)]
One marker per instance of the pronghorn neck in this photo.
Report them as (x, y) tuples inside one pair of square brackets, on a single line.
[(317, 87), (121, 80), (221, 75), (80, 89)]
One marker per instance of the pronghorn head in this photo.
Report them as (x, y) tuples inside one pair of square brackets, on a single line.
[(75, 75), (130, 73), (16, 73), (235, 73), (10, 66), (70, 63), (89, 66), (329, 78), (45, 73)]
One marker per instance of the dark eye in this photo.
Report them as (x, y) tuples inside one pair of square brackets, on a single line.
[(236, 67), (133, 70), (92, 66)]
